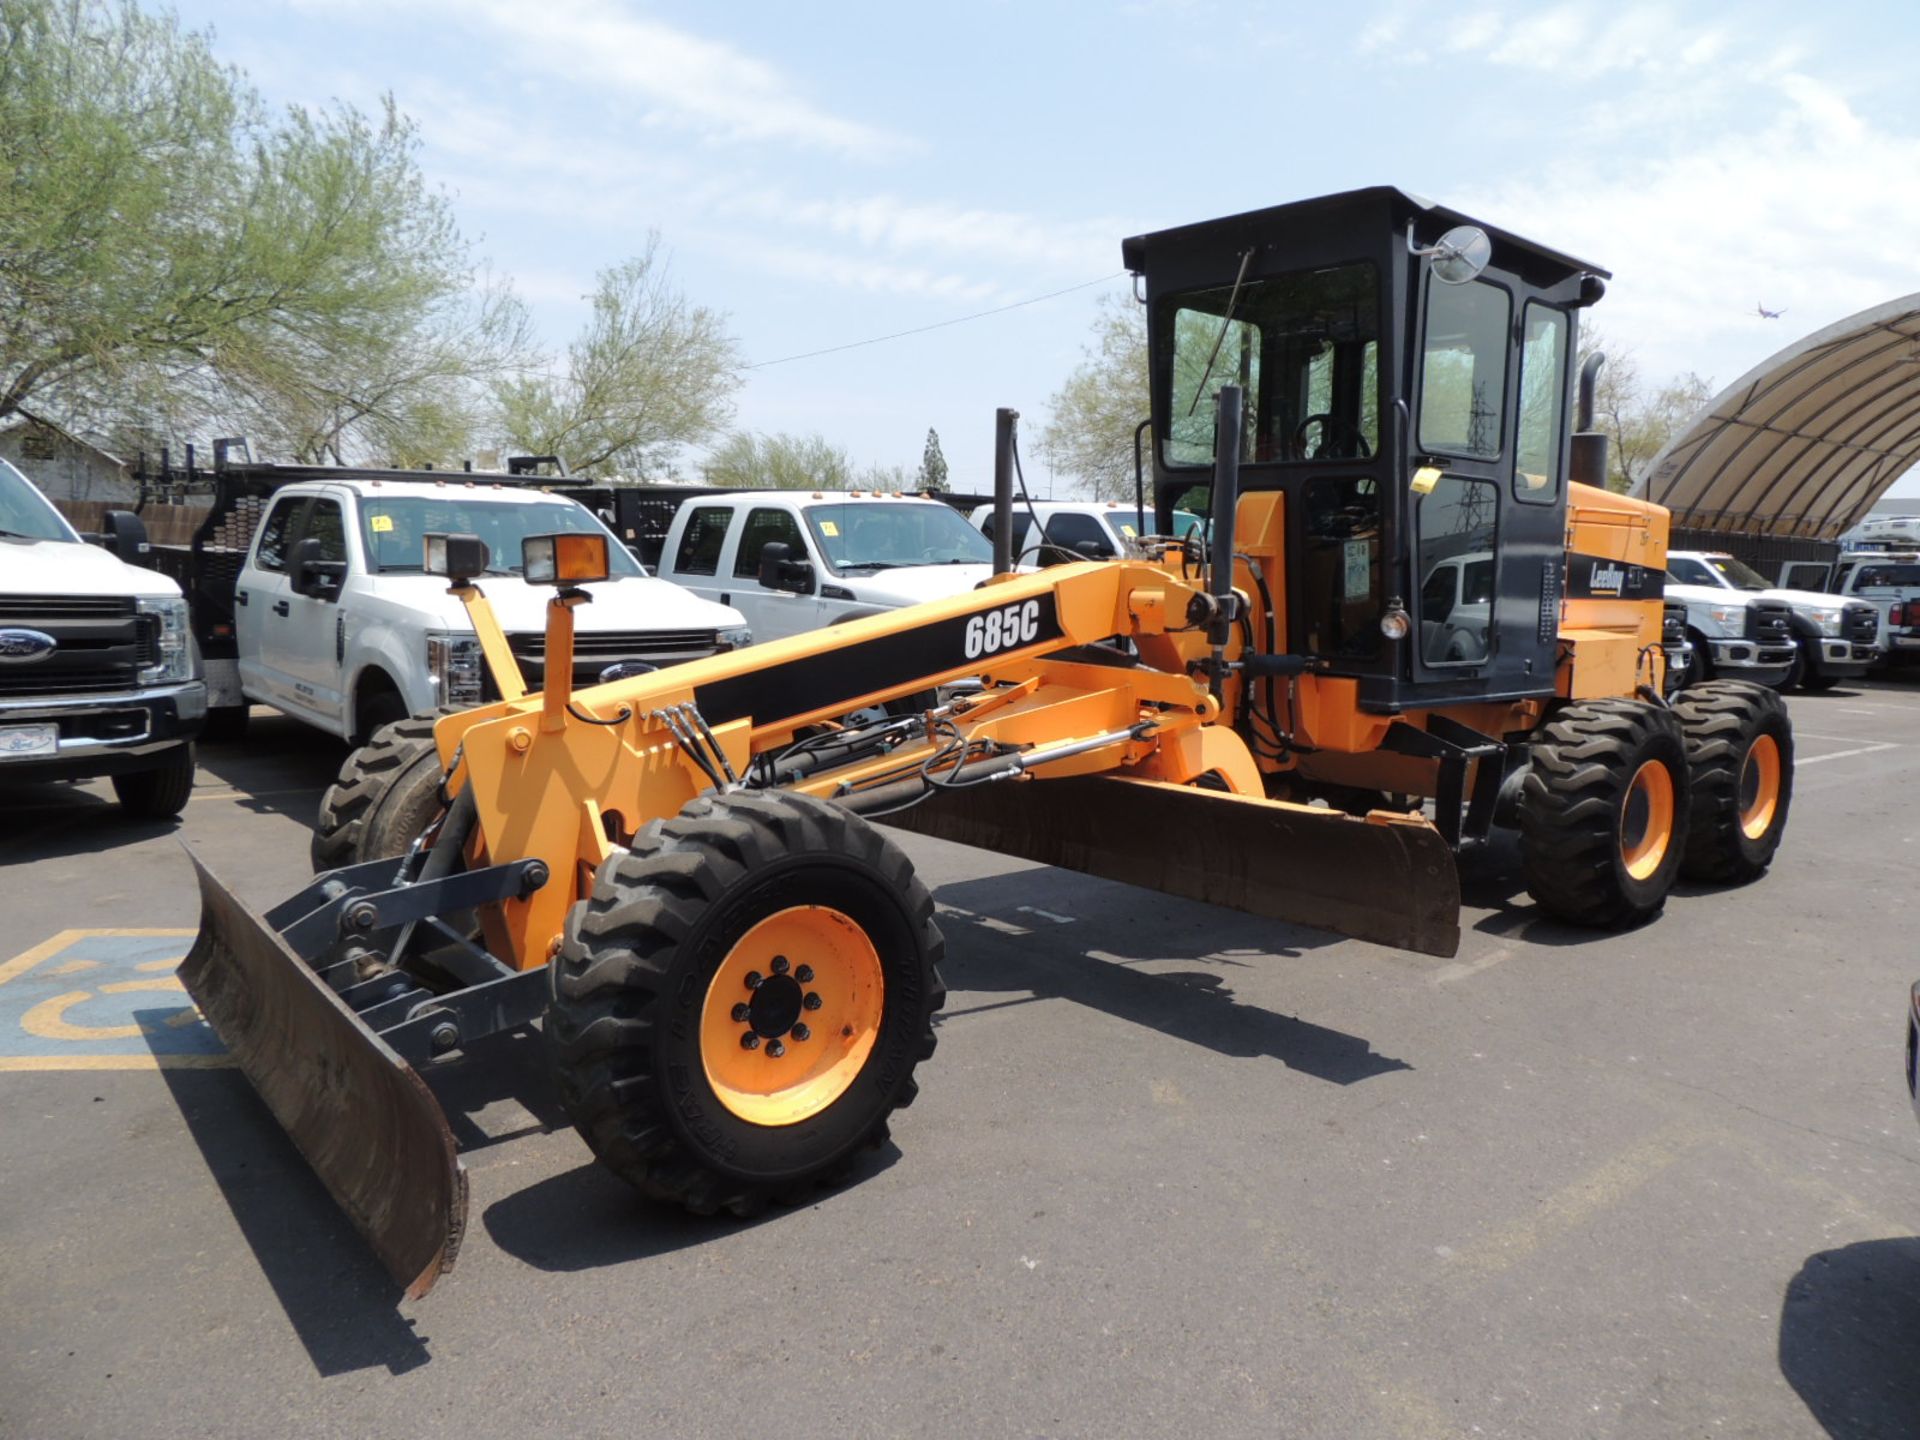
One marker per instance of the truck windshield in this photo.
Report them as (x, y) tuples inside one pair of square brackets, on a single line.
[(863, 535), (1742, 577), (26, 514), (394, 528)]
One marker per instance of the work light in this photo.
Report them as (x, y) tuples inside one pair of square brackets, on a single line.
[(573, 559)]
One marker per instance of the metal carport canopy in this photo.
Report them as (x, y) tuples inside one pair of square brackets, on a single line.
[(1802, 445)]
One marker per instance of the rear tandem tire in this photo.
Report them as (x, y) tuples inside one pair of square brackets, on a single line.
[(1603, 812), (700, 1063), (1740, 755), (388, 792)]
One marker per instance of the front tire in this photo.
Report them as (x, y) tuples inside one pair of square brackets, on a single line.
[(1604, 811), (1740, 755), (741, 1003), (159, 793), (388, 792)]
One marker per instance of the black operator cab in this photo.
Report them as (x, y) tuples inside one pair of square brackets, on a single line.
[(1407, 373)]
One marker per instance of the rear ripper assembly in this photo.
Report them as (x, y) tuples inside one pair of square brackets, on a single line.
[(1407, 623)]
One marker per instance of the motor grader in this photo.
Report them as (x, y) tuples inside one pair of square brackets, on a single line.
[(1413, 617)]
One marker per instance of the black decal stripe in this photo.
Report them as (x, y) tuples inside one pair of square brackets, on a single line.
[(832, 680), (1595, 577)]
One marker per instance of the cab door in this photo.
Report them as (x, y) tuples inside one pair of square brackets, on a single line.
[(312, 644), (261, 604), (775, 613)]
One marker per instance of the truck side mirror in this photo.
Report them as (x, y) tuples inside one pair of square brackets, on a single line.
[(125, 537), (780, 571), (308, 574)]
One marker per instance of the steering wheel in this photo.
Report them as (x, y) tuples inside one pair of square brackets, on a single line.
[(1330, 426)]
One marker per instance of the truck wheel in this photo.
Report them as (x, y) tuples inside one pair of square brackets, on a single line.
[(1740, 753), (1795, 675), (159, 793), (1603, 812), (740, 1005), (387, 793), (1702, 667)]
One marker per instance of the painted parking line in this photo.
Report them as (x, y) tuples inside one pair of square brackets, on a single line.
[(1875, 749), (103, 1000)]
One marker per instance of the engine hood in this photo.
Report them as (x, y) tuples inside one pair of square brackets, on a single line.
[(630, 603), (915, 584), (1801, 598), (67, 567)]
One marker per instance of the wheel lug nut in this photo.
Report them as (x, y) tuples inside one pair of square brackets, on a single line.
[(753, 979), (801, 1032), (776, 1049), (779, 964), (803, 974), (812, 1002), (741, 1012), (749, 1041)]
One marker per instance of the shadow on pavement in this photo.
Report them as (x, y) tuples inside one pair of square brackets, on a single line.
[(50, 821), (338, 1298), (281, 768), (588, 1218), (1849, 1332), (1198, 1006)]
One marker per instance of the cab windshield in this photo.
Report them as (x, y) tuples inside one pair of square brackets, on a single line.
[(26, 514), (394, 528), (1740, 576), (864, 536)]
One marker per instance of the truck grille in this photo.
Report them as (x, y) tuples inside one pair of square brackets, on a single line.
[(100, 643), (1861, 625), (593, 651), (1769, 622)]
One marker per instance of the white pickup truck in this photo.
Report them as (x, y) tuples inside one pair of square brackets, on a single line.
[(98, 673), (337, 624), (794, 560), (1834, 638), (1077, 529), (1888, 580)]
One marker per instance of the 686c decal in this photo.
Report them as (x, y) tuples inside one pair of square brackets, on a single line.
[(1002, 629)]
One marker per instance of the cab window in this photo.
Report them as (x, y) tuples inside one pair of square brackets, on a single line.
[(766, 527), (275, 532), (1683, 571), (1457, 523), (706, 532), (1543, 396), (1069, 532), (324, 524), (1463, 369)]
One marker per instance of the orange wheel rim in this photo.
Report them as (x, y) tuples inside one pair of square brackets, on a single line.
[(1646, 820), (1760, 787), (791, 1015)]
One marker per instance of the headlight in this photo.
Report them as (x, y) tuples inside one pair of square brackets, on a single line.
[(454, 663), (1827, 620), (173, 655), (1730, 617), (735, 639)]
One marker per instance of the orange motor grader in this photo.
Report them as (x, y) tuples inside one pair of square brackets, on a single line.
[(1405, 624)]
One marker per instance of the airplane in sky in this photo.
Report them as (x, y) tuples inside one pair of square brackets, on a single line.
[(1766, 314)]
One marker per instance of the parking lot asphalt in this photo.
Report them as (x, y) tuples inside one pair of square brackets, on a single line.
[(1174, 1170)]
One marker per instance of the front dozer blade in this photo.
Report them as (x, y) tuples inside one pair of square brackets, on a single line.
[(1388, 880), (366, 1122)]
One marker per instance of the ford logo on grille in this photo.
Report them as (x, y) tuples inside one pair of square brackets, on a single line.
[(20, 647)]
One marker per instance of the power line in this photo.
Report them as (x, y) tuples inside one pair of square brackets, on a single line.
[(939, 324)]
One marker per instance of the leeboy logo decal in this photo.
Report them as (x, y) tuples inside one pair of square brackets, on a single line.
[(21, 647), (1593, 577)]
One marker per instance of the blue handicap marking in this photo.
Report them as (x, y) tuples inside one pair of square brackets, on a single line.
[(103, 1000)]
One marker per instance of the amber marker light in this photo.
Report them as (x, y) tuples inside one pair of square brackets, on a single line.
[(574, 559)]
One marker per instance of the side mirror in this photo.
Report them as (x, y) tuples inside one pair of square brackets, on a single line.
[(780, 571), (126, 537), (308, 574)]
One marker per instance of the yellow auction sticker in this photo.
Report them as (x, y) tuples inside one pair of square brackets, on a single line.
[(828, 528), (103, 1000), (380, 524)]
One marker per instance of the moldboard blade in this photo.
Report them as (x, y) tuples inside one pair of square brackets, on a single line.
[(1391, 881), (367, 1123)]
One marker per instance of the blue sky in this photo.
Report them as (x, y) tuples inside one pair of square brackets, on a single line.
[(825, 173)]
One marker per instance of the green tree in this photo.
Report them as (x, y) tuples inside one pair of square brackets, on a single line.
[(167, 244), (650, 374), (1089, 432), (745, 461), (1639, 417), (933, 465)]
